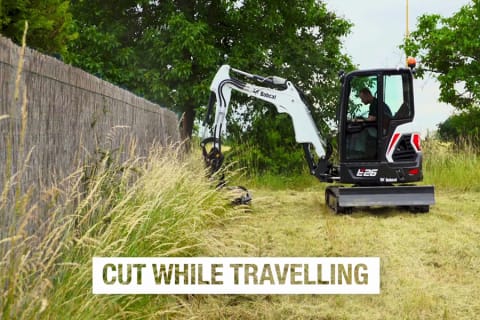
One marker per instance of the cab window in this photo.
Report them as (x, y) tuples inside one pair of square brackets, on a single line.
[(396, 96)]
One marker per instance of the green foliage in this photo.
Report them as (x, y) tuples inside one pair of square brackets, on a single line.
[(50, 23), (461, 128), (105, 43), (179, 56), (268, 146), (448, 47), (168, 51), (163, 51)]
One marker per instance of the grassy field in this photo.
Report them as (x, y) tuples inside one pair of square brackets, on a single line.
[(429, 263), (164, 206)]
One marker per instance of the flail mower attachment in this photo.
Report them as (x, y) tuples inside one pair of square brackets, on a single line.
[(213, 160)]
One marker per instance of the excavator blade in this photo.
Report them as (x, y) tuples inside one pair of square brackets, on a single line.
[(417, 198)]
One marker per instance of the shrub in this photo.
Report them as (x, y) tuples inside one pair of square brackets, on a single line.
[(462, 127)]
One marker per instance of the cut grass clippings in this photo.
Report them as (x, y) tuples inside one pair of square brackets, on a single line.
[(429, 262)]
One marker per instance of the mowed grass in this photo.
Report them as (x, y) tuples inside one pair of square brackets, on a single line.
[(430, 263)]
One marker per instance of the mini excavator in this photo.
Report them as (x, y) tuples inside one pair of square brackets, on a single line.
[(378, 162)]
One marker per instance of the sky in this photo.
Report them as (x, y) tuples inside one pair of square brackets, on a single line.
[(379, 27)]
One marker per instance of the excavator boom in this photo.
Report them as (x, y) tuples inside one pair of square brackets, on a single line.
[(285, 97), (277, 91)]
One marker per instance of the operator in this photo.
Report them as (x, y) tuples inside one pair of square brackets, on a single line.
[(362, 144), (367, 98)]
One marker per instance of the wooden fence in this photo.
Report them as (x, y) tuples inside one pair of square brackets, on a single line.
[(69, 115)]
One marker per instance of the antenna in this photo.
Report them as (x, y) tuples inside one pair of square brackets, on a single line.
[(411, 61), (407, 34)]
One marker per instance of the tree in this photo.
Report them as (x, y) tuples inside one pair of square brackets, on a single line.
[(50, 25), (168, 51), (450, 49), (106, 46), (462, 128)]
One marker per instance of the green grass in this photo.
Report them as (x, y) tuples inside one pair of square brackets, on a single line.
[(159, 206), (278, 182), (452, 167)]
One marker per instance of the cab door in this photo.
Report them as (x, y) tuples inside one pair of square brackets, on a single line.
[(373, 104)]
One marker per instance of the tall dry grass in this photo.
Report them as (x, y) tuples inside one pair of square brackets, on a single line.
[(452, 166), (160, 205)]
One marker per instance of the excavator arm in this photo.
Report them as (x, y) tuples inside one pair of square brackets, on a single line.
[(284, 96)]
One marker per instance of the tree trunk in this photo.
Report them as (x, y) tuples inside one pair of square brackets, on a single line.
[(187, 126)]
